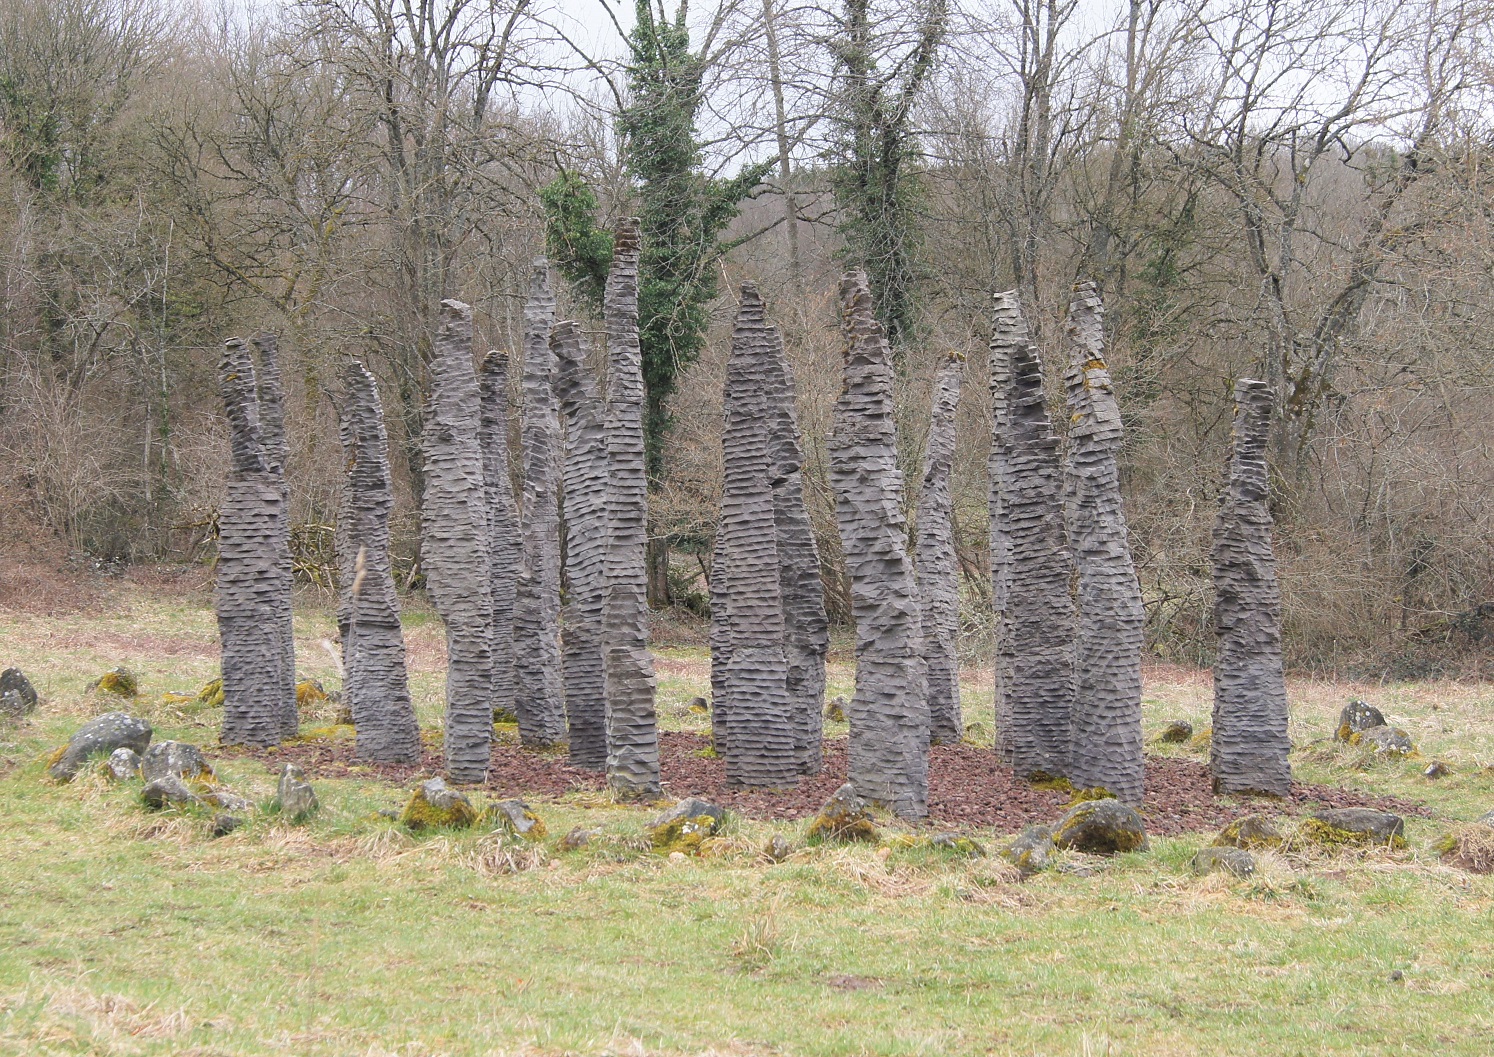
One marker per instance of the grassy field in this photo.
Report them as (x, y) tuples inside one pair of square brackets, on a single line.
[(123, 932)]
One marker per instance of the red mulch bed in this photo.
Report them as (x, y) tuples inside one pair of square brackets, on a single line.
[(967, 787)]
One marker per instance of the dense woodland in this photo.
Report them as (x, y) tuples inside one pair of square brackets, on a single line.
[(1279, 189)]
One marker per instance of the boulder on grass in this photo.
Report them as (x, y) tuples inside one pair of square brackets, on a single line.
[(122, 765), (1250, 831), (221, 798), (224, 824), (835, 711), (175, 757), (1487, 818), (684, 827), (1436, 769), (515, 817), (1348, 826), (167, 791), (1101, 827), (777, 849), (434, 806), (17, 695), (578, 837), (294, 796), (1388, 743), (843, 818), (118, 682), (958, 842), (310, 695), (700, 706), (101, 735), (1175, 733), (1235, 861), (1031, 851), (1358, 716)]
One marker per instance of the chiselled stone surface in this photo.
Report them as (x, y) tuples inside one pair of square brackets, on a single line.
[(938, 575), (720, 639), (632, 730), (806, 629), (1009, 331), (585, 491), (252, 596), (270, 392), (759, 747), (503, 525), (1248, 752), (539, 676), (889, 713), (454, 544), (1036, 667), (1106, 740), (375, 685)]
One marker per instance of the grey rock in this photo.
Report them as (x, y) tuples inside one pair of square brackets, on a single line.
[(504, 541), (777, 849), (1105, 717), (517, 818), (1362, 825), (699, 705), (1176, 733), (584, 478), (632, 725), (167, 791), (1101, 827), (938, 571), (956, 842), (116, 682), (1235, 861), (835, 711), (435, 805), (222, 798), (174, 758), (101, 735), (1386, 742), (1436, 769), (454, 544), (889, 712), (1249, 747), (1031, 851), (224, 824), (690, 807), (17, 695), (123, 764), (843, 818), (376, 685), (578, 837), (1249, 831), (1356, 716), (294, 795)]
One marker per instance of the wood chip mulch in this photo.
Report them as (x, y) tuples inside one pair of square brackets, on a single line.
[(967, 787)]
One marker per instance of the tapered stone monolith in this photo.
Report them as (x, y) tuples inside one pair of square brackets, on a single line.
[(938, 573), (503, 525)]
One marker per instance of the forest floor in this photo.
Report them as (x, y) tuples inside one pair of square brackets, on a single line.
[(125, 932)]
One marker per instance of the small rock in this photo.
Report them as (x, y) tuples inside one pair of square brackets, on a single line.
[(843, 818), (223, 825), (17, 695), (1354, 825), (211, 693), (1358, 716), (174, 757), (1236, 861), (310, 693), (1175, 733), (1031, 851), (120, 682), (103, 734), (515, 817), (1436, 769), (294, 795), (686, 825), (578, 837), (123, 764), (165, 791), (225, 800), (677, 856), (1386, 742), (1251, 831), (1101, 827), (1487, 818), (434, 806), (835, 711), (966, 846), (777, 849), (1396, 976), (700, 706)]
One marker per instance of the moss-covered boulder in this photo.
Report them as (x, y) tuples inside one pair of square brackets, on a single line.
[(434, 806), (1202, 740), (99, 736), (515, 818), (777, 849), (211, 694), (1249, 832), (1436, 769), (1386, 743), (224, 823), (835, 711), (686, 826), (958, 844), (699, 706), (1357, 716), (1236, 861), (578, 837), (844, 818), (294, 797), (1353, 826), (116, 682), (1175, 733), (175, 758), (17, 695), (1031, 851), (311, 694), (1101, 827), (167, 791)]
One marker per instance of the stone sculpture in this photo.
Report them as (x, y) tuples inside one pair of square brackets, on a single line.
[(271, 395), (1248, 750), (375, 683), (889, 713), (1105, 719), (1009, 331), (454, 544), (503, 525), (938, 575), (632, 731)]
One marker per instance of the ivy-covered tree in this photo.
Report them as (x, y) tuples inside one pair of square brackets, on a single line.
[(683, 211)]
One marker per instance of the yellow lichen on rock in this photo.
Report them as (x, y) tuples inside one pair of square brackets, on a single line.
[(120, 682), (310, 693), (211, 693)]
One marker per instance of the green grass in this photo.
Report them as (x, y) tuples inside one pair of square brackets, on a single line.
[(123, 932)]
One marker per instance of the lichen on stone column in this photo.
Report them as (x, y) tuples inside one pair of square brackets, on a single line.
[(889, 713), (632, 730), (538, 671), (375, 682), (938, 574), (503, 525), (585, 501), (1249, 745), (454, 544), (1105, 720)]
